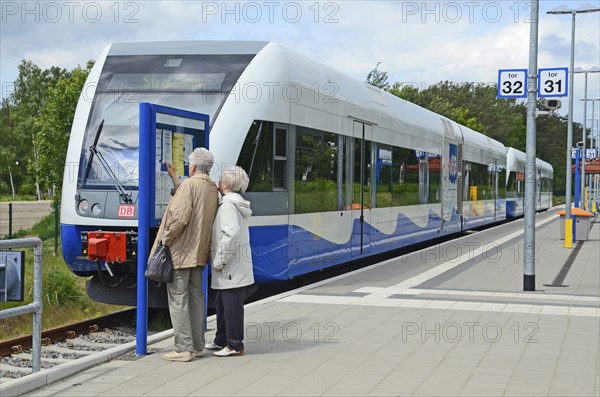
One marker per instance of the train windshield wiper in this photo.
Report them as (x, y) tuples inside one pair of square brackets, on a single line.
[(94, 152)]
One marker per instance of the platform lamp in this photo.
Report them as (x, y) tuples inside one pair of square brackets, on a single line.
[(564, 9)]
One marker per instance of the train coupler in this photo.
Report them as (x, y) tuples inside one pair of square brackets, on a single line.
[(117, 247)]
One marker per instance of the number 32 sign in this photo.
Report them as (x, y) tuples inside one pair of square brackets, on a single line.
[(512, 83)]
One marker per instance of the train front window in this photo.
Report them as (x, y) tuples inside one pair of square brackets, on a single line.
[(198, 83)]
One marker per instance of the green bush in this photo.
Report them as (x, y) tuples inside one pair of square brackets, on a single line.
[(61, 288)]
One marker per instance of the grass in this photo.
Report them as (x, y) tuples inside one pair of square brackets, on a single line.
[(64, 297), (18, 197)]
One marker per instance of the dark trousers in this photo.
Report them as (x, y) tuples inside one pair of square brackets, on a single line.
[(230, 318)]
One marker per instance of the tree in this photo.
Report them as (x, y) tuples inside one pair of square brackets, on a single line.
[(378, 78), (54, 126)]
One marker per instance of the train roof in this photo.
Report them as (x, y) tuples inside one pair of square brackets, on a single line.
[(187, 48), (306, 72)]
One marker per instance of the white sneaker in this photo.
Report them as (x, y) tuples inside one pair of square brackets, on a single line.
[(213, 346), (178, 356), (227, 351), (197, 353)]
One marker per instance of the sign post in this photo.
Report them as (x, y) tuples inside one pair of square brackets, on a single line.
[(165, 134)]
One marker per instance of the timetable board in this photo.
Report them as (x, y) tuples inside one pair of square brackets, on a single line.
[(174, 144)]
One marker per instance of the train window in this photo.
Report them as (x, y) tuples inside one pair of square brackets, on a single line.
[(256, 156), (434, 179), (501, 179), (406, 176), (480, 181), (384, 176), (280, 158), (198, 83), (317, 171)]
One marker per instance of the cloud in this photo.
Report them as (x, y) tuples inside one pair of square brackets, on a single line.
[(417, 41)]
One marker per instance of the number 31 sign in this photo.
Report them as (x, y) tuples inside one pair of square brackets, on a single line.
[(512, 83), (552, 82)]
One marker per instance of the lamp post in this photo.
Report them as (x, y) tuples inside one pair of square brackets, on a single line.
[(583, 154), (563, 9)]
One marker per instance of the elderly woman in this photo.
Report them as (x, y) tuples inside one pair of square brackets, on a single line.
[(231, 263), (186, 230)]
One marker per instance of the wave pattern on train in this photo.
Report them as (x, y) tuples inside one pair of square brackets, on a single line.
[(338, 169)]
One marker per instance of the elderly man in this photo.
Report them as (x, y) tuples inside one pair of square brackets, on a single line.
[(186, 230)]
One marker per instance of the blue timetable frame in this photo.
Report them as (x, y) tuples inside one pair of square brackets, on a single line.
[(146, 201)]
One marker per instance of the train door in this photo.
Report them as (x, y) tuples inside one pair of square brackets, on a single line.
[(494, 173), (452, 182), (359, 188)]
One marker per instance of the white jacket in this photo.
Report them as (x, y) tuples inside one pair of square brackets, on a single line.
[(230, 248)]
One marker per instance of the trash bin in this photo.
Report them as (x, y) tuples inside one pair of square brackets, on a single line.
[(581, 223)]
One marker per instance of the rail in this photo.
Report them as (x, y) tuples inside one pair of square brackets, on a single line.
[(37, 306)]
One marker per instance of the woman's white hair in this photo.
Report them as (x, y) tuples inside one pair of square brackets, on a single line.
[(202, 159), (236, 178)]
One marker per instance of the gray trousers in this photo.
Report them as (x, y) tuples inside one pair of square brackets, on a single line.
[(186, 307)]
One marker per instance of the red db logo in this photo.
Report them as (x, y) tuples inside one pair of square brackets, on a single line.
[(126, 211)]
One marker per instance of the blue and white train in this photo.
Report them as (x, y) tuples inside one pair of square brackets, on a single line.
[(339, 169), (515, 183)]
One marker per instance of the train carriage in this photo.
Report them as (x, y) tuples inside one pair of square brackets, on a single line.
[(515, 184), (338, 169)]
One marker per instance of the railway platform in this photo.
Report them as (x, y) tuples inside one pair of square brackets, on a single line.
[(451, 319)]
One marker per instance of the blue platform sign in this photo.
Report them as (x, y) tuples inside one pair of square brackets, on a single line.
[(553, 82), (512, 83)]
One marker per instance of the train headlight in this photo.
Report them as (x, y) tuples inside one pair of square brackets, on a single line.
[(83, 206), (96, 209)]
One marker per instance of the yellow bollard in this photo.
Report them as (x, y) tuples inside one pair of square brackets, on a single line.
[(568, 232)]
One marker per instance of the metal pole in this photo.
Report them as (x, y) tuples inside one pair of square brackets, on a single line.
[(146, 168), (568, 219), (12, 185), (529, 237), (10, 220), (583, 154)]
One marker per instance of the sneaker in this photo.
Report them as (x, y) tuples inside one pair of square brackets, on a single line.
[(178, 356), (213, 346), (227, 351), (197, 353)]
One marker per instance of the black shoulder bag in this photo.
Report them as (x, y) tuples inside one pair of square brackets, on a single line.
[(160, 265)]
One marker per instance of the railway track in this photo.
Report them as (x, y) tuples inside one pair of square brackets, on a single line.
[(67, 343)]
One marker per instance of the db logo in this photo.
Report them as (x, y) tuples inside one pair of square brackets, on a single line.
[(126, 211)]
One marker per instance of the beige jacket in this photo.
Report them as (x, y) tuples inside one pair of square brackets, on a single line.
[(187, 223)]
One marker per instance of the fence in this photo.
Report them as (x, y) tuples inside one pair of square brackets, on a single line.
[(37, 306), (22, 215)]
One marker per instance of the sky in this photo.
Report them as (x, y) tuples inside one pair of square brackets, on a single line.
[(417, 42)]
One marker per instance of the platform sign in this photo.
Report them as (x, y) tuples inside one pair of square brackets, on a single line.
[(512, 83), (591, 154), (553, 82)]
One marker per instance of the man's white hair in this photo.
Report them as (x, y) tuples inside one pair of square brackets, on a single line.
[(236, 178), (202, 159)]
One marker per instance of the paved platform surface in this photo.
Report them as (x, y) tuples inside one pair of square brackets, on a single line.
[(447, 320)]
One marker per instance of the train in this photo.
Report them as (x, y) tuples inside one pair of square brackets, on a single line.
[(339, 170)]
